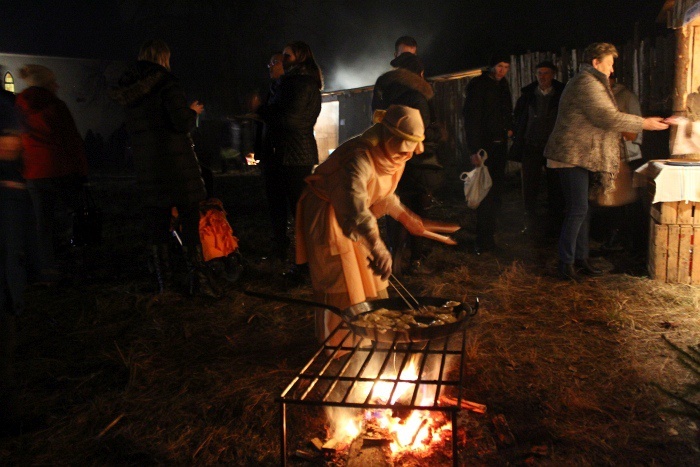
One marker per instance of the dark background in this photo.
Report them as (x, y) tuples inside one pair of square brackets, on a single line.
[(220, 48)]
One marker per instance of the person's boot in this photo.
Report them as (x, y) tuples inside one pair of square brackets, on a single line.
[(159, 266), (199, 278), (155, 268), (568, 272), (587, 268)]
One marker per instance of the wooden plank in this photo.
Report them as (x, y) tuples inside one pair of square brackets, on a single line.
[(674, 232), (669, 212), (695, 258), (685, 213), (684, 250), (696, 213), (665, 213), (658, 250)]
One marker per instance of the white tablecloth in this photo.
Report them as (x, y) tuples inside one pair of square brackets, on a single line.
[(673, 182)]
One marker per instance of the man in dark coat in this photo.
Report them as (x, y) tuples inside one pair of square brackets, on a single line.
[(291, 151), (406, 85), (488, 123), (159, 121), (535, 115)]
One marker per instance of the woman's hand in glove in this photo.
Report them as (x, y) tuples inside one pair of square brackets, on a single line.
[(412, 222), (380, 262)]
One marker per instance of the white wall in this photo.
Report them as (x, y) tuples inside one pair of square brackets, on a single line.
[(83, 86)]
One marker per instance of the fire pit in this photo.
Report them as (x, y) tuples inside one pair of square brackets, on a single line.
[(403, 394)]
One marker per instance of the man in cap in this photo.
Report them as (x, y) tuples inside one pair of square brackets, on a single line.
[(535, 114)]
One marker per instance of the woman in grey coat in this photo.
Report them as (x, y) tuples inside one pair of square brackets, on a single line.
[(585, 148)]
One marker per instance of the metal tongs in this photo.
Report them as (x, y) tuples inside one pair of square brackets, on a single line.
[(415, 306), (434, 229)]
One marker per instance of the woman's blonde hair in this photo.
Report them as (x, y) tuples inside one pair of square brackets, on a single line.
[(155, 51), (597, 51)]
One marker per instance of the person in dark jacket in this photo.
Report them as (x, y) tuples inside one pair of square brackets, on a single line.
[(270, 165), (488, 123), (54, 162), (422, 175), (291, 152), (16, 228), (535, 114), (159, 121), (404, 44)]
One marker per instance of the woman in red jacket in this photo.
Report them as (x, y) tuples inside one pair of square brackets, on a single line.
[(54, 162)]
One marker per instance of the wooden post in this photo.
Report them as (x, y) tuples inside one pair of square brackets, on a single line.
[(686, 91)]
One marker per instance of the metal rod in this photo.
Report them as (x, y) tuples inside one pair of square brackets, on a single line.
[(283, 415), (385, 363), (361, 370), (328, 362), (402, 367), (341, 372), (455, 454)]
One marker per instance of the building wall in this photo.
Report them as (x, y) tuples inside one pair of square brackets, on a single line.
[(83, 85)]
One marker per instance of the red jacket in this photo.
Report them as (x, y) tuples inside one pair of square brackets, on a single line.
[(52, 145)]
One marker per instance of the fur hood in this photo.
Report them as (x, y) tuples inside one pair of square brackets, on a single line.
[(139, 81), (408, 79)]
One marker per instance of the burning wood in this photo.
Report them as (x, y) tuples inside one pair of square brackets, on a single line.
[(317, 443), (307, 455), (330, 446), (465, 404)]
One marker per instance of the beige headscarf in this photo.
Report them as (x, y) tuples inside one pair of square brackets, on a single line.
[(402, 122)]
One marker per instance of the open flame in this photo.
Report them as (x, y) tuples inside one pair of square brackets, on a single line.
[(414, 432)]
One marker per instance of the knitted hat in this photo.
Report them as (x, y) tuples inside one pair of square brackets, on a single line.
[(410, 62), (498, 58), (404, 122), (37, 75), (547, 64)]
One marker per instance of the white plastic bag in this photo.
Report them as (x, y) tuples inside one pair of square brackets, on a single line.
[(477, 182)]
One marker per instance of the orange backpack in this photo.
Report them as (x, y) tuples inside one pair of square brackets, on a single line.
[(215, 233)]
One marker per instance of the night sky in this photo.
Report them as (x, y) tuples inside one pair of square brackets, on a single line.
[(220, 47)]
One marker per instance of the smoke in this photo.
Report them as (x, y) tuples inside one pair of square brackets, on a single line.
[(358, 69), (362, 71)]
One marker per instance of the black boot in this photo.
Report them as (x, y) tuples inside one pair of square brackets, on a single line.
[(159, 265), (200, 281), (567, 272), (587, 268)]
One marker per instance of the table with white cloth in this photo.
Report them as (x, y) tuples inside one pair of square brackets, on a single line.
[(672, 195)]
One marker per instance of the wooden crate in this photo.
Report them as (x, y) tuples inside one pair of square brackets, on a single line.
[(674, 252), (677, 212)]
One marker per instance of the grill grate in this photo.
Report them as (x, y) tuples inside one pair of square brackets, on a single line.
[(352, 379)]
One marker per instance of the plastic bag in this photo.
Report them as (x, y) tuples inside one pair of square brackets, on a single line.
[(477, 182), (215, 233)]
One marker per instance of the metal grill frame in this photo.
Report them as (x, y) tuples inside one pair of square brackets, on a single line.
[(301, 390)]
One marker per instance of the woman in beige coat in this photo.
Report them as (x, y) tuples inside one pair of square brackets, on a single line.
[(585, 148), (336, 222)]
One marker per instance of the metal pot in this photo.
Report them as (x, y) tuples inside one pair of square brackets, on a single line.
[(415, 334)]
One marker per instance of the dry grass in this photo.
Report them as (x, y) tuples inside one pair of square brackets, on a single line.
[(112, 375)]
